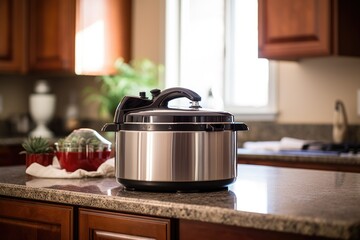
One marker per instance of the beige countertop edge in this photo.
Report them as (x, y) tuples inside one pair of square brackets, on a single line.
[(298, 225)]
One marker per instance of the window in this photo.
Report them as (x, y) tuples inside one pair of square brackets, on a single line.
[(211, 48)]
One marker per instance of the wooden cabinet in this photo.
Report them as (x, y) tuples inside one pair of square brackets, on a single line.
[(103, 34), (12, 35), (37, 35), (308, 28), (105, 225), (51, 35), (9, 155), (194, 230), (22, 219), (31, 220), (57, 35)]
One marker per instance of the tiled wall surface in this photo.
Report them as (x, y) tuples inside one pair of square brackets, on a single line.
[(268, 131)]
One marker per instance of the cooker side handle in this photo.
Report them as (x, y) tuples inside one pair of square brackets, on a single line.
[(239, 126), (110, 127)]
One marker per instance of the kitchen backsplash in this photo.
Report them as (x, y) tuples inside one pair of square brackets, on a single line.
[(269, 131)]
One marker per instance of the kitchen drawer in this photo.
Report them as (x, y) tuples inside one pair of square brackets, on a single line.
[(94, 224)]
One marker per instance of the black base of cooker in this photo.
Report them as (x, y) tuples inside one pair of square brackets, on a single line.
[(196, 186)]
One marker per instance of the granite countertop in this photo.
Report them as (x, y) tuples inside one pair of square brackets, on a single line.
[(297, 156), (309, 202)]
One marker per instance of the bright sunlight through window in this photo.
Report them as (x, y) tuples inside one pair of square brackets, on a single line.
[(85, 40), (249, 76), (217, 56)]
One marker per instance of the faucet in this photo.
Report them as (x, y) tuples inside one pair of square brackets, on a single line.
[(340, 123)]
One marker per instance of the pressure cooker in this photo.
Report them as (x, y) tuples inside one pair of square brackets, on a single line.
[(160, 148)]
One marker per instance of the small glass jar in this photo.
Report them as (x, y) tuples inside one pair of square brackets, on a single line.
[(84, 149)]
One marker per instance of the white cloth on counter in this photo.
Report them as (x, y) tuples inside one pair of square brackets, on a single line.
[(103, 185), (106, 169), (286, 143)]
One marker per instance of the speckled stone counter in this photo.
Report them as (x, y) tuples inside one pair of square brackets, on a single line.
[(308, 202)]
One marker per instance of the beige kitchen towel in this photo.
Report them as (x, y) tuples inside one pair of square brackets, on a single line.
[(288, 143), (285, 143), (107, 169)]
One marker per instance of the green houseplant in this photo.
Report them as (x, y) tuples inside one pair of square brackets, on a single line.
[(38, 149), (130, 78)]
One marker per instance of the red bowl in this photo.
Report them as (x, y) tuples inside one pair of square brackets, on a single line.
[(89, 161), (44, 159)]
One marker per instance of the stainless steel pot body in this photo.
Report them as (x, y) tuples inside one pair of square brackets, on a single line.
[(159, 148), (175, 156)]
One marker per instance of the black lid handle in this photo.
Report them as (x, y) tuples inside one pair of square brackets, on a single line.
[(160, 100), (169, 94)]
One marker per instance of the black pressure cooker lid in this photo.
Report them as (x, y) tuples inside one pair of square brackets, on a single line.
[(142, 113)]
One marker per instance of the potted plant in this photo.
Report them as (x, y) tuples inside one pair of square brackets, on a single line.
[(38, 149), (138, 75)]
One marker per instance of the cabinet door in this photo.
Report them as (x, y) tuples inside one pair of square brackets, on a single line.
[(103, 34), (12, 35), (194, 230), (32, 220), (52, 34), (294, 29), (105, 225), (9, 155)]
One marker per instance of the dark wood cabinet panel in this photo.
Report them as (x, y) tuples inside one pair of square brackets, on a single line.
[(104, 34), (346, 28), (106, 225), (194, 230), (52, 35), (9, 155), (41, 35), (308, 28), (294, 28), (12, 35), (31, 220)]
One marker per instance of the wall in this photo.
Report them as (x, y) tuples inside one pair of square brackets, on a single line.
[(148, 34), (308, 89), (15, 93)]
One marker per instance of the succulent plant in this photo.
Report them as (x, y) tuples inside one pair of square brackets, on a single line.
[(36, 145), (78, 142)]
